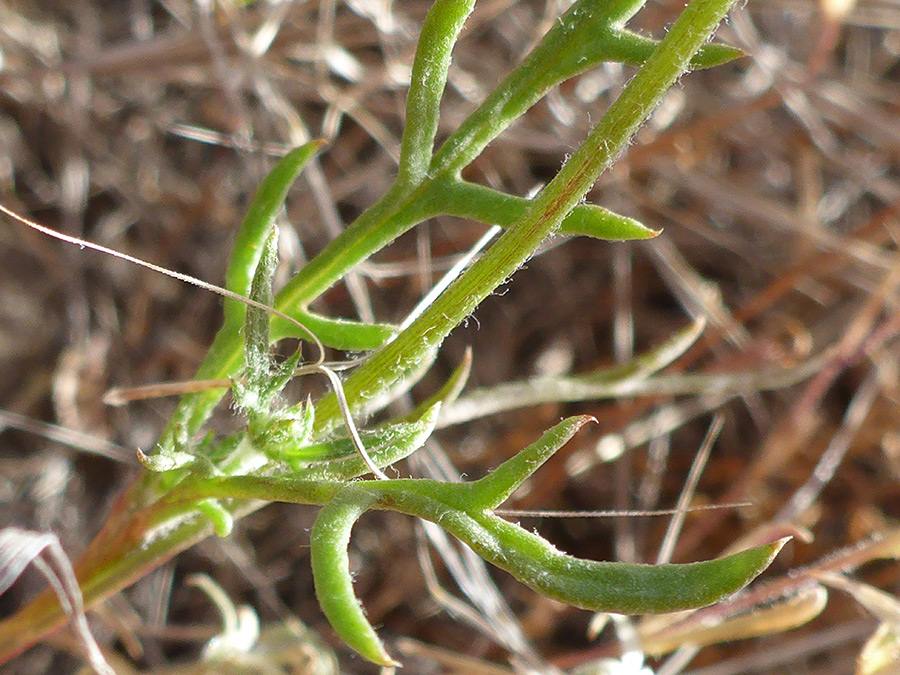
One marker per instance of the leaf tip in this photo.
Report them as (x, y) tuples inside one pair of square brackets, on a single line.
[(716, 54), (778, 544), (770, 551), (466, 360), (580, 420)]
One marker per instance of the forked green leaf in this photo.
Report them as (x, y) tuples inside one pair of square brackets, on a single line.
[(596, 586), (543, 217), (463, 510), (588, 34), (633, 49)]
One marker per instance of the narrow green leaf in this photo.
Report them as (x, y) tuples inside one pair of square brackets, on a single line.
[(330, 562), (594, 221), (633, 49), (495, 488), (341, 334), (716, 54), (248, 244), (486, 205), (439, 33), (279, 376), (312, 454), (607, 586), (593, 585)]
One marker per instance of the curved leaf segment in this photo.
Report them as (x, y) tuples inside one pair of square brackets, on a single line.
[(464, 510)]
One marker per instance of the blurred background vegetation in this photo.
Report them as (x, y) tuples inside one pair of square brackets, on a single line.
[(145, 125)]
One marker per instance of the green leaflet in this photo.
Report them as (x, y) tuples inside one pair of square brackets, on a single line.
[(251, 237), (463, 509), (486, 205), (330, 563), (440, 31), (343, 334), (337, 459)]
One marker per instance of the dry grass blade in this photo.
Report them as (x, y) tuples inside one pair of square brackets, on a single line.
[(73, 439), (20, 548), (687, 492), (776, 618)]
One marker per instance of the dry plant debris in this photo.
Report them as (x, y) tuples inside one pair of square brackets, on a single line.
[(145, 126)]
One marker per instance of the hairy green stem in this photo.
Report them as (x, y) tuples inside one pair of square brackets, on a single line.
[(590, 32), (607, 139)]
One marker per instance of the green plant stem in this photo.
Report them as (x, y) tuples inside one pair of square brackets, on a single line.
[(589, 33), (606, 140)]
